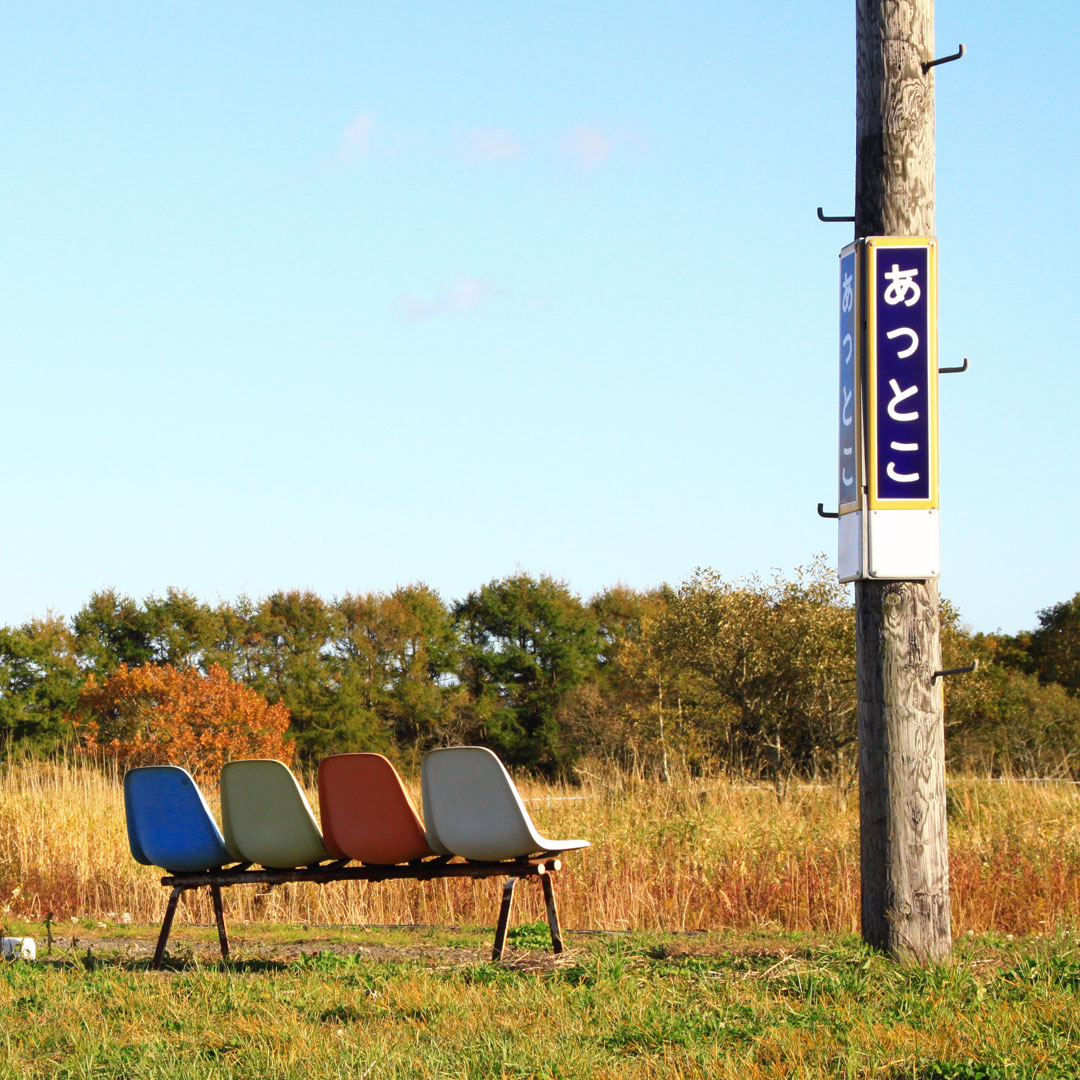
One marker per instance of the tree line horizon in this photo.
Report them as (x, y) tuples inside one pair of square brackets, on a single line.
[(753, 677)]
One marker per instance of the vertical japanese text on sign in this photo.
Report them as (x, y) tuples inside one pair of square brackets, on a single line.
[(849, 464), (902, 375)]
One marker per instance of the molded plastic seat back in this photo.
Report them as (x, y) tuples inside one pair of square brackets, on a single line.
[(367, 814), (169, 823), (266, 816), (473, 809)]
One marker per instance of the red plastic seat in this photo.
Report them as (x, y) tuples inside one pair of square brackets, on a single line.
[(366, 812)]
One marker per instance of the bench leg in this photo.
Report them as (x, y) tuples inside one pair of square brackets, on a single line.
[(219, 915), (504, 918), (166, 926), (552, 913)]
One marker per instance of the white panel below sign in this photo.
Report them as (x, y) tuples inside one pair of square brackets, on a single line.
[(851, 560), (903, 544)]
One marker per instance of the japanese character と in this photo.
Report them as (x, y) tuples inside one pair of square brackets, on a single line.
[(899, 396)]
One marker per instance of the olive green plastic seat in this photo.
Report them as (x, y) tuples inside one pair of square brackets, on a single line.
[(473, 809), (266, 816)]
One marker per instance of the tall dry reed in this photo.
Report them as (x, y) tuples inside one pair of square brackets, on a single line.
[(692, 854)]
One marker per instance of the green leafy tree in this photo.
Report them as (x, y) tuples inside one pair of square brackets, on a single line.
[(110, 630), (632, 713), (774, 667), (1002, 718), (233, 644), (181, 628), (1055, 644), (286, 659), (397, 658), (423, 656), (361, 677), (40, 679), (526, 644)]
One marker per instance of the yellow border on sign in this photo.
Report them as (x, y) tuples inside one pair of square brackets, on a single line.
[(857, 360), (872, 244)]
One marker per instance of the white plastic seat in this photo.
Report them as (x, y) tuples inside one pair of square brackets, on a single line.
[(473, 809), (265, 815)]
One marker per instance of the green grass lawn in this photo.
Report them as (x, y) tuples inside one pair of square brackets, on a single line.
[(312, 1003)]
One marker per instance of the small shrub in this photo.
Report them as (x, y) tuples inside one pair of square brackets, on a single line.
[(157, 713)]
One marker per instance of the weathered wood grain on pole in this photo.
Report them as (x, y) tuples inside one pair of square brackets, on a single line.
[(894, 151), (904, 842)]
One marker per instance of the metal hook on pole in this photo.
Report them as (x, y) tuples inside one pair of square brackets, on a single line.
[(943, 60), (825, 217), (822, 512), (953, 671), (954, 370)]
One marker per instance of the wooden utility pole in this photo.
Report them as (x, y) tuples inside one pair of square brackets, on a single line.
[(904, 845)]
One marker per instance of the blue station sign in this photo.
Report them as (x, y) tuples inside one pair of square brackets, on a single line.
[(901, 370)]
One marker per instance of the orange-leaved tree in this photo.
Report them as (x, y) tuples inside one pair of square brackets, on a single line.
[(160, 714)]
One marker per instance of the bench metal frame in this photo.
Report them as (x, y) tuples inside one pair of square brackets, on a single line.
[(541, 867)]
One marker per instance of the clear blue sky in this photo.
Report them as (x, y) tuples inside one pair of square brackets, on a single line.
[(345, 295)]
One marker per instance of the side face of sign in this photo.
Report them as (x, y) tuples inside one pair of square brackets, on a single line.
[(851, 528), (849, 463)]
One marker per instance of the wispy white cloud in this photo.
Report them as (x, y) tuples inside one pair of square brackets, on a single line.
[(590, 147), (487, 145), (586, 147), (353, 143), (356, 137), (466, 294)]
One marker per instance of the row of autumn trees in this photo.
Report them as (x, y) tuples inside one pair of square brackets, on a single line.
[(753, 677)]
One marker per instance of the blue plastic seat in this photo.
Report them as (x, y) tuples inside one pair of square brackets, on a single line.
[(168, 822)]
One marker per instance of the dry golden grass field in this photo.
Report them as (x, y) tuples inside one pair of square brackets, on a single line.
[(774, 984), (694, 854)]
